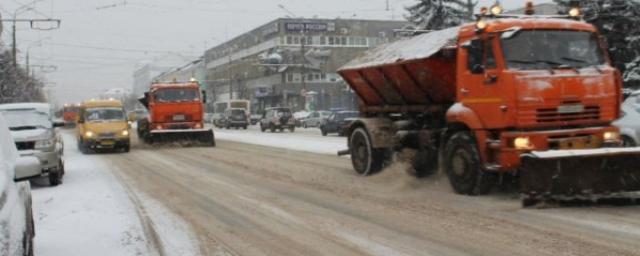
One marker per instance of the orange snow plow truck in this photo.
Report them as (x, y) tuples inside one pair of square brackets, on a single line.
[(176, 114), (523, 95)]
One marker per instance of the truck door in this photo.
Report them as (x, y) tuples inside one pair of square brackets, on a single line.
[(480, 87)]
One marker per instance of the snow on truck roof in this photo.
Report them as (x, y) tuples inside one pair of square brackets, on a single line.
[(413, 48)]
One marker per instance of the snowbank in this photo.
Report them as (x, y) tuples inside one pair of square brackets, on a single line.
[(308, 140), (89, 214)]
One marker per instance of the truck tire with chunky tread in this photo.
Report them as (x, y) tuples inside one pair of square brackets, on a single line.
[(463, 166), (366, 160)]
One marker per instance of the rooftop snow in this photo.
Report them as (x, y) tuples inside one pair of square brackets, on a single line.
[(417, 47)]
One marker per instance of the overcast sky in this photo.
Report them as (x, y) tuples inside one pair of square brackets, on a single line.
[(102, 42)]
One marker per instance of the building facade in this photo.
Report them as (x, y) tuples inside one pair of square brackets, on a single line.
[(143, 76), (293, 62)]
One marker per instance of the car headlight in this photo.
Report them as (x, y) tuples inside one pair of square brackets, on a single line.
[(522, 143), (125, 133), (88, 134), (44, 144), (611, 136)]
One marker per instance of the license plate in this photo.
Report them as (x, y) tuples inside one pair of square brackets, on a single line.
[(178, 118), (568, 109), (107, 143), (580, 143)]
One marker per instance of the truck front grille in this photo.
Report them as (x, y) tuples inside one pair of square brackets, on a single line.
[(27, 145), (551, 115)]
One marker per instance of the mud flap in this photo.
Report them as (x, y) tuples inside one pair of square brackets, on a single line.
[(579, 174)]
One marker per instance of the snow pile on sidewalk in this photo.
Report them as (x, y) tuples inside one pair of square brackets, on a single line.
[(92, 214), (308, 140)]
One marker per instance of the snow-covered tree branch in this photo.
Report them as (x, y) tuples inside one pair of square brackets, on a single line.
[(440, 14)]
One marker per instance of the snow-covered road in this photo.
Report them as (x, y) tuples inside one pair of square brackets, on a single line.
[(91, 213)]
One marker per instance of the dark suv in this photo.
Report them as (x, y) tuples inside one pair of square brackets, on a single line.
[(277, 119), (234, 117), (338, 122)]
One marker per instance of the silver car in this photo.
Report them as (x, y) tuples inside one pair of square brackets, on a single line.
[(315, 119), (629, 122), (34, 133), (16, 215)]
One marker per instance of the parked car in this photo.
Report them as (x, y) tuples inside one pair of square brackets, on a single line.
[(255, 118), (235, 117), (338, 122), (277, 119), (629, 122), (16, 214), (299, 117), (33, 130), (315, 119)]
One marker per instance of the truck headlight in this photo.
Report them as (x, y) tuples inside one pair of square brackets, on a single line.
[(125, 133), (611, 136), (198, 126), (522, 143), (88, 134), (40, 144)]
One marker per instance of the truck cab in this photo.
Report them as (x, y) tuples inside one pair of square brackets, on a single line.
[(176, 111)]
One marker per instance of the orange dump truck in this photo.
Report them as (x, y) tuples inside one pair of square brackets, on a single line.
[(176, 114), (528, 96), (70, 114)]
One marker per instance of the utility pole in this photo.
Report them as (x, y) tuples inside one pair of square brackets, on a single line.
[(14, 51)]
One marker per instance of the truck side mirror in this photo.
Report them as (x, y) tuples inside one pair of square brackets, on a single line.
[(57, 124), (27, 167), (204, 96)]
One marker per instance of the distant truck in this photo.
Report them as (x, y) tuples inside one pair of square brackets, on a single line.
[(176, 113), (523, 95), (70, 114)]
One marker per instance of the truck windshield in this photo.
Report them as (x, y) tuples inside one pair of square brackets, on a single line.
[(545, 49), (176, 95), (104, 114)]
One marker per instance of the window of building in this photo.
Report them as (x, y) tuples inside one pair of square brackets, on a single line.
[(289, 77), (323, 76), (343, 41), (289, 40), (323, 40), (296, 40), (316, 76), (330, 40), (310, 77)]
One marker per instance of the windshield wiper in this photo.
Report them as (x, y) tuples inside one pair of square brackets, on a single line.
[(22, 128), (547, 62), (584, 62)]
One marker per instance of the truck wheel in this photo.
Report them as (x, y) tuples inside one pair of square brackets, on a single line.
[(262, 128), (365, 159), (463, 167), (244, 127), (126, 149), (304, 125), (628, 142), (55, 178), (323, 131), (292, 128), (272, 128)]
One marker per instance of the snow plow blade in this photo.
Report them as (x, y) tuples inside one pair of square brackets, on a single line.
[(198, 136), (579, 174)]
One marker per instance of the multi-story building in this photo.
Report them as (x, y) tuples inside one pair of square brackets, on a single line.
[(293, 62)]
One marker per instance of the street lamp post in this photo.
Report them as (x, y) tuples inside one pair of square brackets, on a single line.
[(303, 41)]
